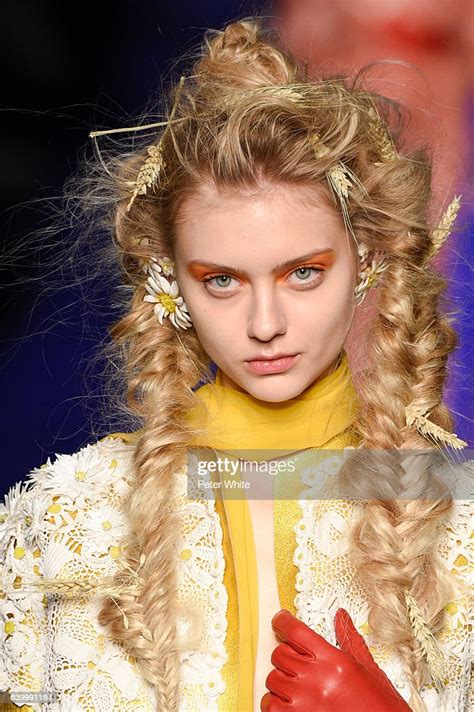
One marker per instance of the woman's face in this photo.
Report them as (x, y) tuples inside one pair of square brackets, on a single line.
[(264, 275)]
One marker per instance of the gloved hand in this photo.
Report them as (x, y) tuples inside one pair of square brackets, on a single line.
[(311, 675)]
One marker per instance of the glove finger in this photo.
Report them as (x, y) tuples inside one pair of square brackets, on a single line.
[(351, 640), (286, 659), (301, 637), (353, 643), (265, 702), (271, 703), (277, 682)]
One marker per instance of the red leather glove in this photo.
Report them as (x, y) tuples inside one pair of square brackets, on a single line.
[(311, 675)]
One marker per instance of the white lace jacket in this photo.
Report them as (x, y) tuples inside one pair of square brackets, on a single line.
[(66, 521)]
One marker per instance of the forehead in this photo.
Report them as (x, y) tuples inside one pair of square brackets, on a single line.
[(274, 215)]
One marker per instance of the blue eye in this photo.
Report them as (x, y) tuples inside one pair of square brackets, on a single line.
[(303, 269), (218, 276), (306, 283)]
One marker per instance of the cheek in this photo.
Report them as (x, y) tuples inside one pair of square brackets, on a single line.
[(215, 330), (330, 313), (329, 305)]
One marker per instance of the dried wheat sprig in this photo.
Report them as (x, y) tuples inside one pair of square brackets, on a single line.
[(150, 169), (146, 632), (340, 179), (339, 182), (432, 652), (124, 565), (337, 177), (74, 587), (381, 137), (417, 416), (134, 573), (139, 127), (440, 234), (285, 92), (86, 586), (369, 272), (149, 172)]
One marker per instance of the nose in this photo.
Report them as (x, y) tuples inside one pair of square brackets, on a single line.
[(267, 316)]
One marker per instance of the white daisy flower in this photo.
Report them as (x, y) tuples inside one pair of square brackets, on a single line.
[(113, 663), (197, 560), (162, 265), (88, 660), (104, 526), (311, 475), (318, 474), (21, 569), (78, 477), (457, 614), (331, 465), (165, 296), (34, 510), (166, 265), (217, 655), (199, 666), (10, 512), (214, 683)]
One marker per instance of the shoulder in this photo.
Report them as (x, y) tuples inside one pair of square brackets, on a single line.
[(93, 469), (65, 493), (324, 500)]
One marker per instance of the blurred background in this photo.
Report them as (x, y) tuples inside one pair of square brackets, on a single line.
[(68, 72)]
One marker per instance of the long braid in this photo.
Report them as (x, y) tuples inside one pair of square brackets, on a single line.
[(161, 376), (394, 539)]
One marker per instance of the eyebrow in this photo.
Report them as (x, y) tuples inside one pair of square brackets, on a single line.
[(275, 270)]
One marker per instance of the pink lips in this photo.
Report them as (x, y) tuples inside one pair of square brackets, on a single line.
[(275, 365)]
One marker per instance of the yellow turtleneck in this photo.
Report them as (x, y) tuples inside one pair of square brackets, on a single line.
[(231, 420)]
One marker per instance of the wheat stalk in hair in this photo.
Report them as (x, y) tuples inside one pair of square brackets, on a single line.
[(441, 233), (417, 416), (233, 99), (381, 137), (432, 653), (150, 170), (339, 178)]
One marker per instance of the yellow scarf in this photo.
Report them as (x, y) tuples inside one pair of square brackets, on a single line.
[(229, 419), (232, 420)]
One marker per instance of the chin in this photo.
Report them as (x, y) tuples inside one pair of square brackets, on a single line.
[(272, 392)]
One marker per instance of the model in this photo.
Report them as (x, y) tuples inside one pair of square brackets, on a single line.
[(279, 537)]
